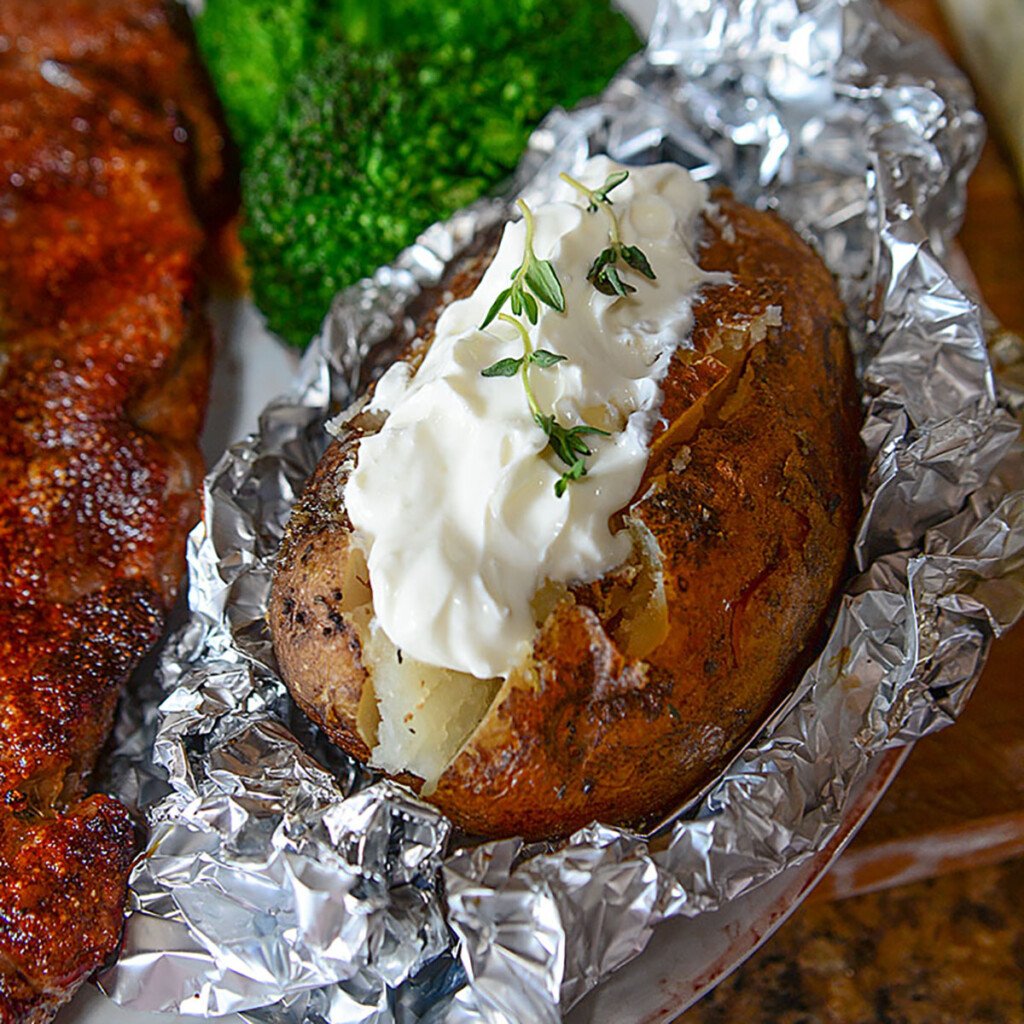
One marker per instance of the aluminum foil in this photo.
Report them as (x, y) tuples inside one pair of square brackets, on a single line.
[(285, 882)]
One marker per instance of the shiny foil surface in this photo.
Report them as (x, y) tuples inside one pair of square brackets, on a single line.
[(285, 882)]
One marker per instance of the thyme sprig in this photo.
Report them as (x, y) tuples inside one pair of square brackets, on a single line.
[(604, 271), (566, 442), (531, 276), (535, 279)]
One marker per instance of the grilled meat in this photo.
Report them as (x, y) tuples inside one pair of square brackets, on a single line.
[(112, 163), (144, 50), (54, 870)]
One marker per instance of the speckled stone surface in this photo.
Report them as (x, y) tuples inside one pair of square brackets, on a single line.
[(946, 951)]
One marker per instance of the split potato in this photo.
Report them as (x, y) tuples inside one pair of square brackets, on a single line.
[(642, 685)]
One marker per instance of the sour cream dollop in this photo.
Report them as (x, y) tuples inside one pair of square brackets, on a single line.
[(453, 501)]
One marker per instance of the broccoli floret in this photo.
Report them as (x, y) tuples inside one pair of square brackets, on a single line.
[(318, 188), (253, 49), (369, 148)]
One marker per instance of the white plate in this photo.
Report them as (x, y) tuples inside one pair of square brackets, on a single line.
[(686, 957)]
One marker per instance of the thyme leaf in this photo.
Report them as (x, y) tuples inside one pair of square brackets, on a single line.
[(637, 260), (496, 307), (503, 368), (568, 444), (542, 357), (574, 472), (603, 258), (606, 278), (604, 271), (543, 282), (613, 180), (534, 276)]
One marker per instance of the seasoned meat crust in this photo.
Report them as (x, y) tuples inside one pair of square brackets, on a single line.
[(89, 849), (642, 685), (111, 160)]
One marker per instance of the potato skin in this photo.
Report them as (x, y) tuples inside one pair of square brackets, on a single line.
[(317, 647), (751, 495)]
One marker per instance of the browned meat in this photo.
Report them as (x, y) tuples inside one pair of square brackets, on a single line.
[(144, 48), (111, 161), (89, 850)]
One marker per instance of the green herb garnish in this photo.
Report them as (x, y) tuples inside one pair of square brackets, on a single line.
[(569, 446), (604, 271), (536, 275), (566, 442), (510, 367), (599, 195)]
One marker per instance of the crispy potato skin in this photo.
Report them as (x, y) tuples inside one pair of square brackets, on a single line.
[(318, 650), (751, 494)]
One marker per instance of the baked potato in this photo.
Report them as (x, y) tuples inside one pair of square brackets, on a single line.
[(640, 685)]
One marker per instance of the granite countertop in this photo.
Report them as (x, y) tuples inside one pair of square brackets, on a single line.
[(945, 951)]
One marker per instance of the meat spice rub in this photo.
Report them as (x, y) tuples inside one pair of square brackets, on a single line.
[(111, 158), (637, 675)]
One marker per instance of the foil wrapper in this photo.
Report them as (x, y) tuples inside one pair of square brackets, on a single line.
[(285, 882)]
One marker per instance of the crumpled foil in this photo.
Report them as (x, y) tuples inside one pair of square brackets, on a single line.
[(287, 883)]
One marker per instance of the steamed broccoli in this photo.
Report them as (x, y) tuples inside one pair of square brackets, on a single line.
[(319, 187), (402, 112), (253, 49)]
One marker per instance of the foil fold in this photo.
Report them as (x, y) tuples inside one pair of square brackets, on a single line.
[(285, 882)]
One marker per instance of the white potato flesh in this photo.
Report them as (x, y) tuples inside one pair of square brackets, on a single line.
[(426, 713)]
